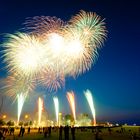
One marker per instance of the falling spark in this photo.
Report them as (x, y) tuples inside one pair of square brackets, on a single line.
[(71, 99), (89, 98), (40, 109), (56, 104), (20, 99)]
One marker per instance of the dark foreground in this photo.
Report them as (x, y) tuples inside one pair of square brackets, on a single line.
[(115, 133)]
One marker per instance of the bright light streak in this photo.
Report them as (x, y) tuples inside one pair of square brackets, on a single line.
[(20, 99), (89, 98), (40, 108), (71, 99), (56, 104)]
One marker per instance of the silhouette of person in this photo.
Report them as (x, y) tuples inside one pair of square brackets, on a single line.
[(49, 129), (23, 130), (45, 132), (60, 132), (109, 130), (20, 131), (28, 129), (73, 132), (66, 130), (1, 135), (39, 130), (134, 136), (12, 129)]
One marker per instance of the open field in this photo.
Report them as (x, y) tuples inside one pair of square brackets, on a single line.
[(86, 134)]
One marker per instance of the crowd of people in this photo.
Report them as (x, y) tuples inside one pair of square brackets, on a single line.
[(6, 130), (67, 132), (62, 129)]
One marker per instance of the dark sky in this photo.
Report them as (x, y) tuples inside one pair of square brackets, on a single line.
[(115, 77)]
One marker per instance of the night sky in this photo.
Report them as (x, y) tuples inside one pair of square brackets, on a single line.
[(115, 77)]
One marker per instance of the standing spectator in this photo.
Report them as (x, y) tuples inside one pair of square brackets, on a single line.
[(66, 130), (96, 135), (45, 132), (73, 132), (20, 132), (29, 130), (23, 130), (109, 130), (39, 130), (139, 130), (2, 136), (12, 129), (49, 131), (60, 133)]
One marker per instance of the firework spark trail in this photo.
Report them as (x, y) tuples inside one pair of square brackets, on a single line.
[(14, 84), (89, 98), (56, 104), (20, 99), (40, 109), (71, 99), (44, 25)]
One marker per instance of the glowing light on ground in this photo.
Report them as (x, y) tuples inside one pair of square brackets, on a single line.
[(20, 100), (71, 99), (89, 98), (40, 109), (56, 105)]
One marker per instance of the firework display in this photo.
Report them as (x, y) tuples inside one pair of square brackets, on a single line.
[(71, 99), (40, 109), (23, 54), (92, 27), (89, 98), (50, 49), (21, 99), (56, 104)]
